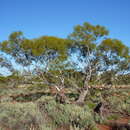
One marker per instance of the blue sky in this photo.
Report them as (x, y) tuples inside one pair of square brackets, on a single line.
[(58, 17)]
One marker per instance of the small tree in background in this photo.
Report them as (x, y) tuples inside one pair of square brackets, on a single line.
[(115, 60)]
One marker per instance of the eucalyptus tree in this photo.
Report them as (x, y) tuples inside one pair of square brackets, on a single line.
[(48, 56), (34, 55), (86, 37), (97, 54), (28, 52), (115, 59)]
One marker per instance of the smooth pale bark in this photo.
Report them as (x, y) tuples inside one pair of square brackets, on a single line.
[(84, 91), (82, 96)]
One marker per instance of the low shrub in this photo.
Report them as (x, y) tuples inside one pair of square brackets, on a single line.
[(119, 105), (5, 99), (69, 114), (17, 116)]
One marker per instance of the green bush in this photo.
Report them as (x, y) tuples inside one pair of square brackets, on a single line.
[(119, 105), (19, 116), (69, 114), (5, 99), (113, 117)]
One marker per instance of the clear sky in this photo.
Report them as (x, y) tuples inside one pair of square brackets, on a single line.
[(58, 17)]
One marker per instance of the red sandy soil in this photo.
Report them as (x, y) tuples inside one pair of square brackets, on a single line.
[(103, 127), (121, 121)]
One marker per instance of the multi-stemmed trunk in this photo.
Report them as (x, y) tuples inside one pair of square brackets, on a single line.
[(82, 96), (83, 92)]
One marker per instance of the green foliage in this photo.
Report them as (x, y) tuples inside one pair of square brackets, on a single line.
[(115, 46), (45, 99), (119, 105), (47, 114), (18, 116), (5, 99), (98, 119), (123, 79), (90, 104), (115, 57), (38, 51), (113, 117), (88, 33), (15, 36), (104, 56), (69, 114), (40, 45), (48, 58)]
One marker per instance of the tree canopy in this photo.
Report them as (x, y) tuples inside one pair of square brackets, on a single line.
[(94, 51)]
